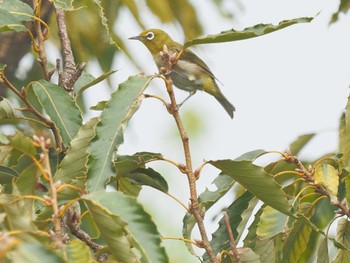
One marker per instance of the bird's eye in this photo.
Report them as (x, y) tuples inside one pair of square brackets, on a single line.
[(150, 35)]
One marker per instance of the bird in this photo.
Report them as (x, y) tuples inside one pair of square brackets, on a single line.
[(189, 73)]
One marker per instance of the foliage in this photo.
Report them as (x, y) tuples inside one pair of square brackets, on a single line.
[(55, 169)]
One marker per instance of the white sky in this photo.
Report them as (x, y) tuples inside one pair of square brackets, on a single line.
[(283, 85)]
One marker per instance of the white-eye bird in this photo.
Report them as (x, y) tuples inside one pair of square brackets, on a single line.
[(190, 73)]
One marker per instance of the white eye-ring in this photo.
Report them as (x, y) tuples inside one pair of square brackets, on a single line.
[(150, 35)]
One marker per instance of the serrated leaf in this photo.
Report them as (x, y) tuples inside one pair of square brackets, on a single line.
[(246, 218), (246, 255), (61, 108), (272, 222), (33, 253), (123, 222), (6, 109), (249, 32), (109, 132), (78, 252), (73, 168), (327, 176), (298, 238), (257, 181), (7, 175), (343, 237), (249, 240), (27, 181), (322, 253)]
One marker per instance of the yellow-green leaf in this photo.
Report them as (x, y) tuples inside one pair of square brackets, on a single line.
[(327, 176)]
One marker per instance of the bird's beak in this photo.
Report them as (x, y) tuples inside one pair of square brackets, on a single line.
[(135, 38)]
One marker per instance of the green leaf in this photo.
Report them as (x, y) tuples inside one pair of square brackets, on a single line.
[(246, 255), (186, 14), (101, 105), (272, 222), (23, 144), (127, 186), (265, 248), (149, 177), (250, 32), (299, 236), (63, 4), (33, 253), (26, 183), (86, 81), (73, 168), (220, 239), (125, 164), (109, 132), (344, 136), (161, 9), (7, 174), (78, 252), (123, 224), (207, 199), (250, 239), (257, 181), (246, 218), (133, 167), (343, 237), (327, 176), (61, 108), (9, 22), (322, 254), (296, 146), (18, 9), (6, 109), (343, 8), (13, 13)]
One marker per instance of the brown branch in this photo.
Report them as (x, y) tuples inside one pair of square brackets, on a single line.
[(233, 246), (71, 72), (72, 221), (195, 209)]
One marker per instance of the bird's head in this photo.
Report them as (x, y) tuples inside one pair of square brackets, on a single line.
[(154, 40)]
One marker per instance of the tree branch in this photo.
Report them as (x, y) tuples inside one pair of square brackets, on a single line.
[(71, 72), (194, 206)]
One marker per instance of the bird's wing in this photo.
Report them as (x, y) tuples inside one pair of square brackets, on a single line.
[(190, 56)]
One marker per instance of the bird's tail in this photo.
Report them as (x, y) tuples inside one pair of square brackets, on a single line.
[(229, 108)]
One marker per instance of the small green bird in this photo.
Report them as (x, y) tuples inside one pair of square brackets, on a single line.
[(190, 73)]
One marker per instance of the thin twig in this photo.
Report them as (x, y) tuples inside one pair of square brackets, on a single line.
[(58, 234), (194, 206), (41, 39), (233, 246), (71, 72)]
